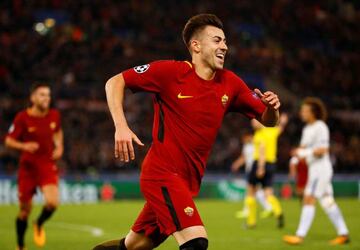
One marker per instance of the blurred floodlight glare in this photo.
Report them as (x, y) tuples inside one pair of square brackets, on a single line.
[(50, 22), (41, 28)]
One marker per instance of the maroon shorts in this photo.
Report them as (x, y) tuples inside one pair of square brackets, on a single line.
[(35, 174), (169, 208)]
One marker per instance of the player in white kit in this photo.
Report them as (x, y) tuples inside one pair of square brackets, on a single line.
[(314, 148)]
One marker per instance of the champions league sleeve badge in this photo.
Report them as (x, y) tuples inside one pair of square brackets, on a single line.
[(142, 68)]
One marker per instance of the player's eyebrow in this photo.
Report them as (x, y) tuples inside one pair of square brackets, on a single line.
[(220, 38)]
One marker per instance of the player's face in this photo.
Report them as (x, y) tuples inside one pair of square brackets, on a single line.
[(212, 47), (306, 114), (41, 98)]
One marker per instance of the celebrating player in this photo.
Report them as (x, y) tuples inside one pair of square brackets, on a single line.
[(37, 133), (314, 148), (190, 101)]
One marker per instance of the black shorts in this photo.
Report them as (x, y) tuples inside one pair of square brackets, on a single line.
[(266, 180)]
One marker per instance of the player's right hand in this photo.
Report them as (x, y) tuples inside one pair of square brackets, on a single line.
[(235, 167), (124, 138), (30, 147)]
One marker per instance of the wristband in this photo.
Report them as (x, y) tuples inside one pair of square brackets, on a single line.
[(294, 160), (304, 152)]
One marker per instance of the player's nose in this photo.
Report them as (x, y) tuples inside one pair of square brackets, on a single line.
[(223, 46)]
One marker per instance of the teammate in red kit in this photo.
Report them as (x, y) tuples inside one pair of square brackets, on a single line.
[(37, 133), (190, 101)]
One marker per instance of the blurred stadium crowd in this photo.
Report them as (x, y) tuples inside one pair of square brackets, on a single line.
[(296, 48)]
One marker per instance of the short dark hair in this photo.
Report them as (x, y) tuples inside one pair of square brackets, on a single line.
[(37, 85), (198, 23), (317, 106)]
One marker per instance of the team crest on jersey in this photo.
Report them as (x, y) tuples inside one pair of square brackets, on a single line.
[(31, 129), (142, 68), (189, 211), (224, 100), (53, 125)]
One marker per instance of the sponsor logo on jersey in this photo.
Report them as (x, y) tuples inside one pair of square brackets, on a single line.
[(224, 100), (189, 211), (53, 125), (142, 68), (31, 129), (180, 96)]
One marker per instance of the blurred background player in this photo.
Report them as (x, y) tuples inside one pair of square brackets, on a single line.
[(37, 133), (265, 150), (246, 159), (298, 171), (314, 148)]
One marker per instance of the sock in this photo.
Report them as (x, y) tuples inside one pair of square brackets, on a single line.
[(112, 245), (245, 209), (195, 244), (336, 217), (122, 244), (260, 197), (21, 226), (306, 219), (275, 205), (250, 202), (45, 215)]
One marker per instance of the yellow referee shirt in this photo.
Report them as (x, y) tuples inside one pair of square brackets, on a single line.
[(268, 137)]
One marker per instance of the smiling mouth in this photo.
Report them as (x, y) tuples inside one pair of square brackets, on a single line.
[(220, 56)]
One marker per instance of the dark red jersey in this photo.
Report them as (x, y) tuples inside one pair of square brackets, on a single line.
[(26, 128), (188, 112)]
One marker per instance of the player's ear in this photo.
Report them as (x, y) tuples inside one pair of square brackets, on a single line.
[(195, 45), (32, 97)]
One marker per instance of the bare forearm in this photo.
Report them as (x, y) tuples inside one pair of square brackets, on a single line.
[(114, 89), (317, 152), (262, 159), (238, 163), (14, 144), (270, 117), (59, 139)]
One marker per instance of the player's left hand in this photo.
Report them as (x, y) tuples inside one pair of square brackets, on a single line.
[(57, 153), (269, 98)]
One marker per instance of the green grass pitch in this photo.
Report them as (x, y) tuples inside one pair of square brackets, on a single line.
[(71, 226)]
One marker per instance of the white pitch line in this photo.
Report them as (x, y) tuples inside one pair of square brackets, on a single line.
[(94, 231)]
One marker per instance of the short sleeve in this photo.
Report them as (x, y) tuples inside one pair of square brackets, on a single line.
[(323, 136), (17, 127), (246, 101), (149, 77), (303, 140)]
